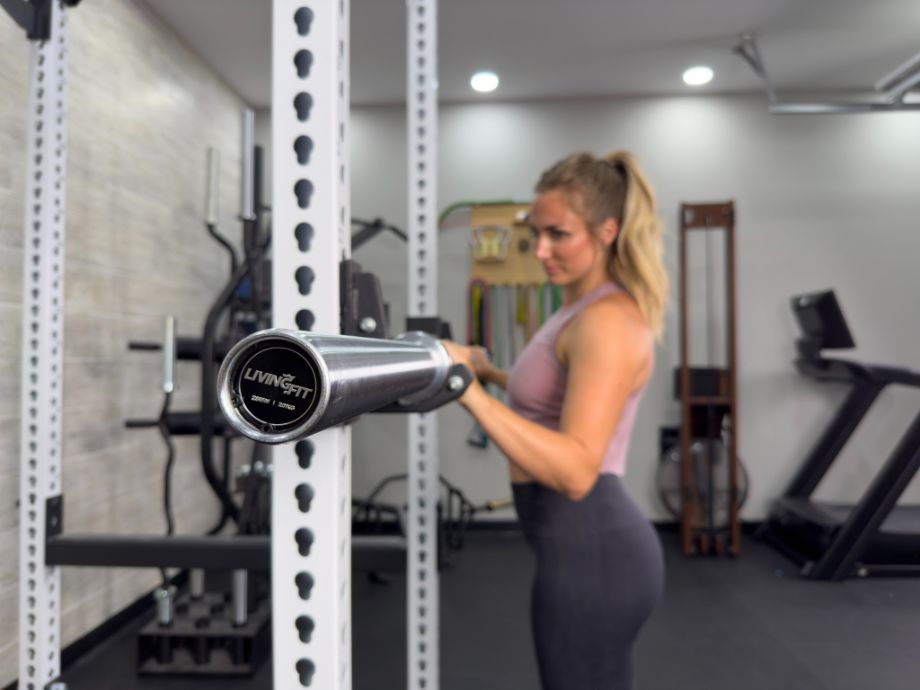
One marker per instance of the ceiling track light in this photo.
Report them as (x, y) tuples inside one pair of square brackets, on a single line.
[(895, 85)]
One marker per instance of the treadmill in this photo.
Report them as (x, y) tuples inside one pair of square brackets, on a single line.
[(875, 536)]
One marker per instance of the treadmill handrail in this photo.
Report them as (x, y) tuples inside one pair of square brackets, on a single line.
[(904, 377), (827, 369)]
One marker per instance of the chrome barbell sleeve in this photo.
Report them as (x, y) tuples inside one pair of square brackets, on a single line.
[(280, 385)]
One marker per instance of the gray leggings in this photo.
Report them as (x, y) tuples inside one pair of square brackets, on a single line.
[(600, 572)]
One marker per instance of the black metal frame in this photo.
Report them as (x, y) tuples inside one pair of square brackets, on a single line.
[(219, 552), (828, 547), (363, 311), (187, 423), (370, 229), (187, 348), (33, 16), (224, 552)]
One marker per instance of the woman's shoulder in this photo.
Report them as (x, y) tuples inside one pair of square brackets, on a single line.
[(615, 317), (618, 311)]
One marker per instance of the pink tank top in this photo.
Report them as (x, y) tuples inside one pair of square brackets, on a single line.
[(537, 382)]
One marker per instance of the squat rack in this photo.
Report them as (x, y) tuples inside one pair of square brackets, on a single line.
[(311, 544)]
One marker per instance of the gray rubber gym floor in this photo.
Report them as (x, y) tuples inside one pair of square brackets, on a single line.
[(746, 624)]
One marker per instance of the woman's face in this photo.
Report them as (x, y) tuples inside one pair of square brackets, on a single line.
[(564, 243)]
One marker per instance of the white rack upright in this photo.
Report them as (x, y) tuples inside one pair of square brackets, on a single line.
[(311, 221), (42, 347), (422, 118)]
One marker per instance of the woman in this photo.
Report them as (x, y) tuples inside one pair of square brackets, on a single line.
[(573, 395)]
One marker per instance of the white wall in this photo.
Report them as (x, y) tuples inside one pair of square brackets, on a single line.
[(822, 201)]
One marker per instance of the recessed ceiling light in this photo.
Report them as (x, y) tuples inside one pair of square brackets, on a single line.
[(484, 81), (697, 76)]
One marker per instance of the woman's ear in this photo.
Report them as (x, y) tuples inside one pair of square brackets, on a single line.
[(609, 231)]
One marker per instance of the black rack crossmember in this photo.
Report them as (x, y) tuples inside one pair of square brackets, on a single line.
[(33, 16)]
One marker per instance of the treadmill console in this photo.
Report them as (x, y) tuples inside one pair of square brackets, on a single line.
[(821, 322)]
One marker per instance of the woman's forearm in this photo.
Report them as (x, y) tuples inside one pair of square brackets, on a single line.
[(497, 376), (551, 458)]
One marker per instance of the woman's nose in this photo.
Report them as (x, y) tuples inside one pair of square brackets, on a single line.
[(541, 248)]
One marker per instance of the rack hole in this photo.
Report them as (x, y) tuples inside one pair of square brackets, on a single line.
[(303, 147), (304, 235), (304, 277), (304, 19), (304, 539), (304, 582), (306, 669), (304, 494), (305, 319), (303, 104), (304, 191), (305, 627), (303, 61), (304, 450)]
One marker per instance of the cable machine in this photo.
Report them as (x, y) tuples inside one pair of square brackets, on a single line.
[(708, 399)]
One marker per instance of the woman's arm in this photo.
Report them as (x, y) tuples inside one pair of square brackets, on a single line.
[(486, 371), (607, 351)]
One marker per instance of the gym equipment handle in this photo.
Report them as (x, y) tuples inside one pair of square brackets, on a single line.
[(169, 355), (281, 385)]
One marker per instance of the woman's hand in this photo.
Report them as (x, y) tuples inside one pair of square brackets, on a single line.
[(474, 358), (477, 361)]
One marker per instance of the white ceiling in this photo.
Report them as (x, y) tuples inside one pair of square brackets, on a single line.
[(577, 48)]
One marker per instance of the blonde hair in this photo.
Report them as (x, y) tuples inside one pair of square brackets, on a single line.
[(615, 187)]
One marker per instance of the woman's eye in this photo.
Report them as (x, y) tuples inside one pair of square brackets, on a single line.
[(556, 234)]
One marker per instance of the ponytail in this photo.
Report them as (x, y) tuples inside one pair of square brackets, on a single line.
[(636, 261)]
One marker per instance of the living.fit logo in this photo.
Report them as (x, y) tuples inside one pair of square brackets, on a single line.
[(284, 382)]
